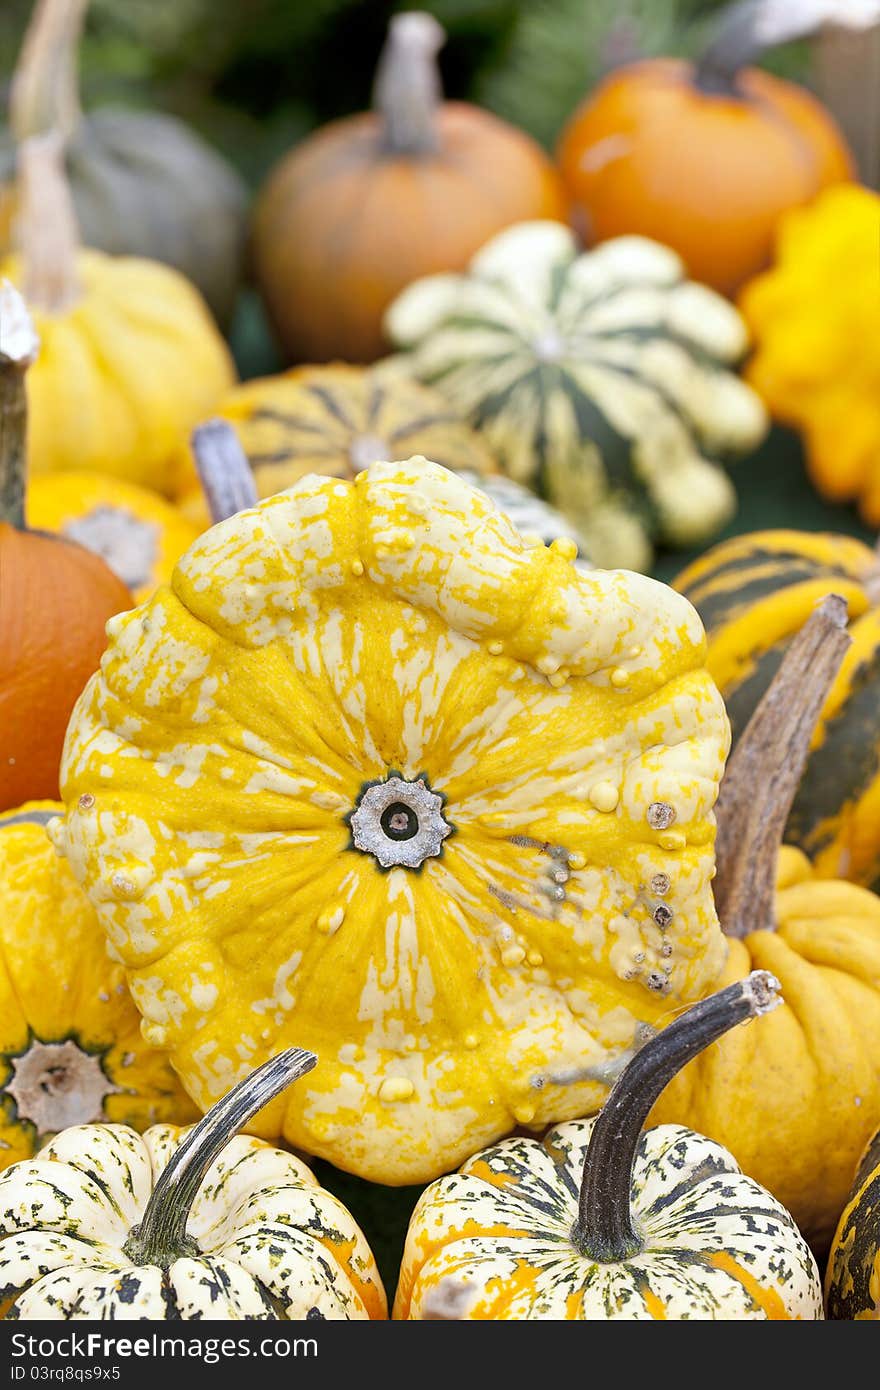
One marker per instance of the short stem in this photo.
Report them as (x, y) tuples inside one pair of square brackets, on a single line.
[(19, 346), (46, 230), (766, 768), (224, 471), (45, 88), (871, 584), (605, 1229), (407, 90), (161, 1236)]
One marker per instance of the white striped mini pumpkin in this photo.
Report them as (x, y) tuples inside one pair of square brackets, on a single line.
[(182, 1224), (602, 380)]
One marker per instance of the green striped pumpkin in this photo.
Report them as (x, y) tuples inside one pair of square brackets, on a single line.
[(600, 379), (753, 594), (852, 1279)]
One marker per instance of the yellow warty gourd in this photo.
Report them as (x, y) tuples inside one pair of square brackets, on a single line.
[(377, 773)]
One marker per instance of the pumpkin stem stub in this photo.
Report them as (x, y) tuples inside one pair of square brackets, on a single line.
[(19, 346), (399, 823), (605, 1230), (224, 470), (58, 1084), (161, 1236), (767, 765), (407, 90)]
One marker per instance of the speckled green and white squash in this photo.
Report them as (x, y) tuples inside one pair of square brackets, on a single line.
[(185, 1224), (601, 1221), (602, 380)]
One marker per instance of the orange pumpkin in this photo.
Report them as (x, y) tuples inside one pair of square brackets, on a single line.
[(372, 202), (55, 598), (704, 157)]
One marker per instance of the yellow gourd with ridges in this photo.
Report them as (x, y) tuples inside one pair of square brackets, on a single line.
[(139, 534), (71, 1049), (124, 373), (376, 772)]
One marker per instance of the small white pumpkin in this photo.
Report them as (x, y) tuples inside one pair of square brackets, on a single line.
[(182, 1223)]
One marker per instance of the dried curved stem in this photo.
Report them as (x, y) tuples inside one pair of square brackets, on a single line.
[(407, 90), (46, 230), (766, 768), (161, 1237), (605, 1229), (224, 470), (19, 346), (45, 87), (745, 30)]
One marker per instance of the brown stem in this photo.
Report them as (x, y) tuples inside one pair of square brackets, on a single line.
[(767, 765), (407, 90), (18, 349), (871, 584), (161, 1236), (45, 87), (224, 470), (46, 230), (605, 1229)]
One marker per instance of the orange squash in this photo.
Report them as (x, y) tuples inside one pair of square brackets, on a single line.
[(704, 157), (55, 598), (372, 202)]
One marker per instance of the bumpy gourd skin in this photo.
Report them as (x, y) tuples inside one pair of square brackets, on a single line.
[(130, 367), (70, 1042), (272, 1244), (494, 1240), (559, 726), (796, 1095)]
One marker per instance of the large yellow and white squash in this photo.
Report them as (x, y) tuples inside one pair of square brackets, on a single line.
[(71, 1049), (601, 379), (376, 773), (183, 1224)]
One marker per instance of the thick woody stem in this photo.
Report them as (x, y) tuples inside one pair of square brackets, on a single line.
[(223, 468), (45, 87), (407, 89), (161, 1237), (19, 346), (605, 1229), (766, 768), (46, 230)]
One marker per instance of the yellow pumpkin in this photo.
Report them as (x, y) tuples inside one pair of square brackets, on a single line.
[(815, 320), (71, 1050), (377, 772), (136, 532), (130, 357), (796, 1096)]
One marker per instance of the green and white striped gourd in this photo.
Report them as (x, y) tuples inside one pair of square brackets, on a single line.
[(601, 379), (182, 1224), (602, 1220)]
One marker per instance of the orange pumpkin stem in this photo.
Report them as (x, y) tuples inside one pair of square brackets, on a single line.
[(224, 470), (18, 349), (744, 30), (44, 94), (46, 229), (407, 90), (766, 768), (604, 1229)]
